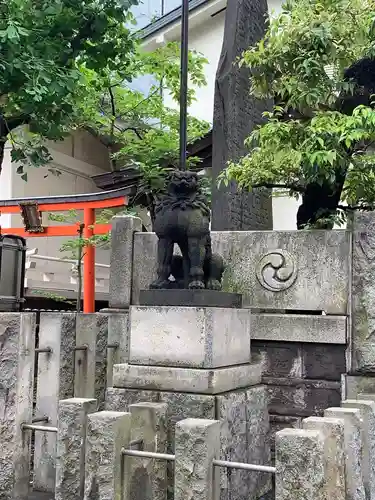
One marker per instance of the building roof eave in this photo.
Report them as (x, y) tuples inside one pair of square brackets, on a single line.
[(170, 18)]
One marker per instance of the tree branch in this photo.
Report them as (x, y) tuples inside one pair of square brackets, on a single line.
[(133, 130), (9, 124)]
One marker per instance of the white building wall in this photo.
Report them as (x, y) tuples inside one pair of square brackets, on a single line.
[(77, 158), (206, 36)]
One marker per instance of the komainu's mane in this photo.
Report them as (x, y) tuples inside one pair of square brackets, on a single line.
[(171, 201)]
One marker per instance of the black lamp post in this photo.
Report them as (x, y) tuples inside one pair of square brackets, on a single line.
[(184, 82)]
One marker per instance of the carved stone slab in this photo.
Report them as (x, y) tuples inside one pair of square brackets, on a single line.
[(236, 114), (293, 270), (363, 295)]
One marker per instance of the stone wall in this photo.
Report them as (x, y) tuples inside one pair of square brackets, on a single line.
[(44, 358)]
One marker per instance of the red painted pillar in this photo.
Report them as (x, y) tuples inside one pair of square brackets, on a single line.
[(88, 263)]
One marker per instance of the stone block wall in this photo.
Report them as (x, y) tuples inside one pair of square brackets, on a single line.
[(44, 359), (297, 285), (302, 379)]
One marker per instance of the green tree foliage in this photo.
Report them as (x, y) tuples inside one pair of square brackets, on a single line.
[(68, 64), (310, 143), (138, 128), (43, 46)]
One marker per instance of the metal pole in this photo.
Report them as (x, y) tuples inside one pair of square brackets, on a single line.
[(41, 428), (184, 82), (239, 465), (149, 454)]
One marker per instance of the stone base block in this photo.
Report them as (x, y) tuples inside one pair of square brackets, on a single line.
[(299, 328), (203, 381), (191, 298), (194, 337), (353, 385), (244, 430)]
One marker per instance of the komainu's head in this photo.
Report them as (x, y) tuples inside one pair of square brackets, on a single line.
[(183, 182)]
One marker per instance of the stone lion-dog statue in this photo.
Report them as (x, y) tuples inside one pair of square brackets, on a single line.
[(182, 217)]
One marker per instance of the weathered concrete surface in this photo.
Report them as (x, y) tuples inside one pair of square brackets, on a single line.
[(197, 444), (71, 447), (199, 381), (332, 430), (300, 397), (17, 341), (85, 360), (244, 432), (300, 471), (236, 114), (107, 433), (101, 360), (149, 423), (179, 405), (123, 228), (299, 328), (353, 439), (363, 293), (367, 409), (278, 423), (206, 337), (244, 438), (55, 382), (353, 385), (300, 360), (318, 263)]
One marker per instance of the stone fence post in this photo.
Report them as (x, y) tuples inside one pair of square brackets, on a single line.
[(353, 446), (123, 229), (300, 470), (55, 382), (332, 430), (17, 343), (70, 449), (108, 433), (197, 444), (149, 424)]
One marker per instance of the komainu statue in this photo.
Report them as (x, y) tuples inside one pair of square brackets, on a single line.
[(182, 217)]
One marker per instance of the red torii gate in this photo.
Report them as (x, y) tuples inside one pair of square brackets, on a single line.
[(30, 210)]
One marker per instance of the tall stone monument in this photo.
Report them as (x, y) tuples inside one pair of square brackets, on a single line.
[(236, 113)]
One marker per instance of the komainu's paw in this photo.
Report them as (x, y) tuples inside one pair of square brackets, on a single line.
[(160, 285), (213, 284), (196, 285)]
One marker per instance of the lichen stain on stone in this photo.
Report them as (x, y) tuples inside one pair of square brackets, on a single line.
[(94, 490), (140, 486)]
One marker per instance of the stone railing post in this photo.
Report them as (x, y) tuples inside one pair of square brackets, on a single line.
[(123, 229), (332, 430), (70, 449), (84, 359), (353, 442), (55, 382), (300, 471), (106, 475), (149, 424), (17, 342), (367, 409), (197, 444)]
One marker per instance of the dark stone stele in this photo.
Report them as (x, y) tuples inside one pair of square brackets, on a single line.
[(192, 298), (236, 114), (182, 217)]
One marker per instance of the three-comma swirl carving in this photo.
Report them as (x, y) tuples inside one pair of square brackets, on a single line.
[(277, 270)]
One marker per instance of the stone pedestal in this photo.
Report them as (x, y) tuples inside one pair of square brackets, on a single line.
[(198, 361)]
